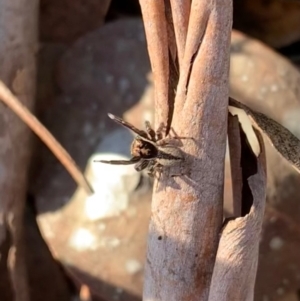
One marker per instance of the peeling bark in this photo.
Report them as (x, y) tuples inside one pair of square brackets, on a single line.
[(236, 262), (18, 46), (234, 140)]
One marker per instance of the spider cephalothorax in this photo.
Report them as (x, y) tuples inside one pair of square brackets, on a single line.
[(149, 149), (143, 149)]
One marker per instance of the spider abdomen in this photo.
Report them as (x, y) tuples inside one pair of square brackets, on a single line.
[(169, 156)]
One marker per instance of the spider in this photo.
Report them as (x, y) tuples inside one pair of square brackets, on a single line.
[(149, 149)]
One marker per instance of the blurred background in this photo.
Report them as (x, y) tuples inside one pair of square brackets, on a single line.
[(93, 60)]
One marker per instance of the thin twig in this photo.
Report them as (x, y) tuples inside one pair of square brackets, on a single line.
[(34, 124)]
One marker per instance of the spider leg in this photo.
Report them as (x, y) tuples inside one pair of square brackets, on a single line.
[(150, 168), (153, 168), (150, 131), (177, 175), (175, 135), (120, 162), (160, 132), (147, 140), (141, 165), (168, 140), (181, 174), (127, 125), (157, 171)]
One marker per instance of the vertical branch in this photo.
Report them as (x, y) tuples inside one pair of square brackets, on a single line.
[(157, 41), (187, 210), (18, 46)]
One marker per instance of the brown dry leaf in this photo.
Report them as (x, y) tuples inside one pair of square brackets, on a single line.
[(281, 138), (246, 125)]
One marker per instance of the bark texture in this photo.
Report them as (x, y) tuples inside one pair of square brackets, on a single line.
[(187, 210), (18, 47)]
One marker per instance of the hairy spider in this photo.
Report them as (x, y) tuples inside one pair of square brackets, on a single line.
[(149, 149)]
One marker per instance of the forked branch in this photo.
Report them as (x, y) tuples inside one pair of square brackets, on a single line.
[(187, 210)]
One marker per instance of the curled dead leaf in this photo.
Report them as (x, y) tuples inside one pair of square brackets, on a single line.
[(237, 255), (287, 144)]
